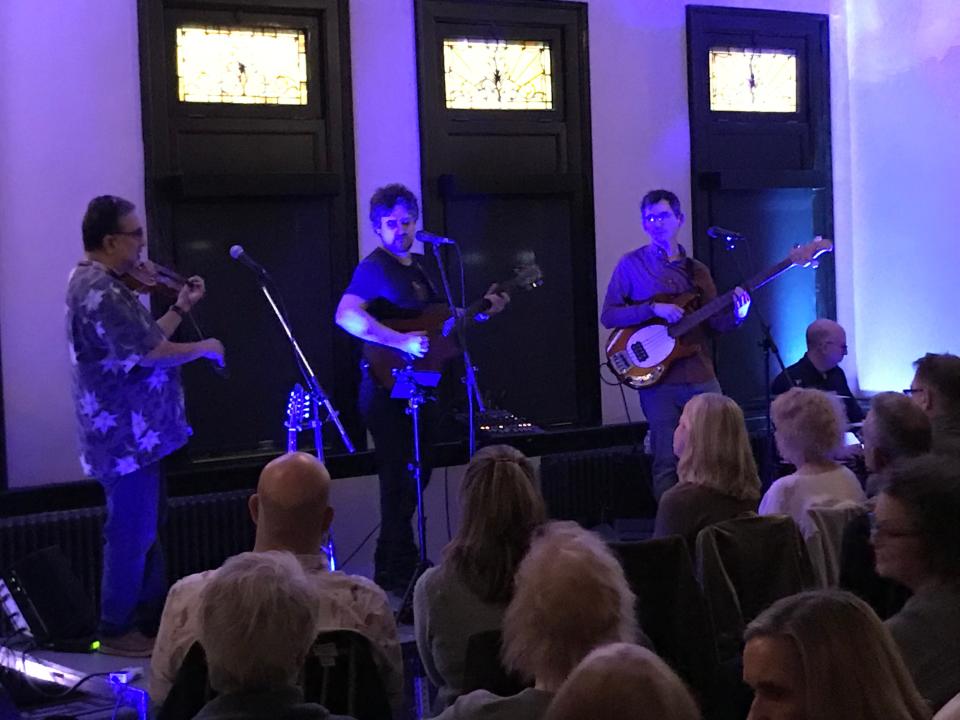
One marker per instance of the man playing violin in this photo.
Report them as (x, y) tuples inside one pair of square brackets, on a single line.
[(392, 282), (130, 411), (663, 267)]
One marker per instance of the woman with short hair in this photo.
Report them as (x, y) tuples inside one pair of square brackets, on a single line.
[(825, 655), (809, 426), (571, 596), (468, 592), (717, 473)]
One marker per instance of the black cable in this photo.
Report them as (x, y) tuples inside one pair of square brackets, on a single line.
[(357, 549)]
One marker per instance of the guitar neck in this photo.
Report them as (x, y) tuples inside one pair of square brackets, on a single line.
[(481, 304), (724, 301)]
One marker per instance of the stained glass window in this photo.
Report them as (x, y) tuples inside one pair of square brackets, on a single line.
[(497, 75), (251, 66), (753, 80)]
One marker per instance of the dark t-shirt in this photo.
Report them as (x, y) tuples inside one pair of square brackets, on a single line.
[(390, 288), (804, 374)]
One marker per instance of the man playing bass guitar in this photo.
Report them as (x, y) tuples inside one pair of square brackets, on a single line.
[(391, 283), (634, 296)]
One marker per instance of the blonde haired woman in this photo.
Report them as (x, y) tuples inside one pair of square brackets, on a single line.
[(622, 681), (717, 473), (571, 596), (468, 592), (809, 429), (826, 655)]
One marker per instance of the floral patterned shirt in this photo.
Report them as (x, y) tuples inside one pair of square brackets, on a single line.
[(129, 415)]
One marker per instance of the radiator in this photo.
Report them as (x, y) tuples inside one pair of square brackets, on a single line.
[(597, 486), (201, 532), (204, 530)]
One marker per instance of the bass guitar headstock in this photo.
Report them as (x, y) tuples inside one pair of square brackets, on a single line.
[(806, 255)]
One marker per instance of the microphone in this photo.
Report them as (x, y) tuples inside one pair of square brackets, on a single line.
[(431, 239), (719, 233), (240, 255)]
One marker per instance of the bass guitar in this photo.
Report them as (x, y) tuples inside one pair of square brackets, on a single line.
[(640, 355), (385, 361)]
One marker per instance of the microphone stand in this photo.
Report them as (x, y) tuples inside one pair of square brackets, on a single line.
[(308, 375), (470, 377), (769, 346)]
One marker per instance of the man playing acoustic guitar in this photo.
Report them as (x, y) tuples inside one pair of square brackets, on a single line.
[(392, 283), (634, 296)]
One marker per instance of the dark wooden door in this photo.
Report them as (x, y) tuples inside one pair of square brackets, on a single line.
[(766, 174), (279, 181), (511, 184)]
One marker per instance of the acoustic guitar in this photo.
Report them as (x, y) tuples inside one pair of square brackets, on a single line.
[(640, 355), (385, 361)]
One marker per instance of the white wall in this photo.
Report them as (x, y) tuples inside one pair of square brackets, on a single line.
[(70, 129), (905, 155)]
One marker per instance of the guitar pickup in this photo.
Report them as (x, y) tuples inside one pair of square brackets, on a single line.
[(621, 363), (638, 350)]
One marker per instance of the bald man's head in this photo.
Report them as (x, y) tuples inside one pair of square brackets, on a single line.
[(826, 344), (291, 506)]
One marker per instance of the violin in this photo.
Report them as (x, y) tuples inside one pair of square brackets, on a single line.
[(150, 278)]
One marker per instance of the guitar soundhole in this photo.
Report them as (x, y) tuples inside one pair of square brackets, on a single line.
[(638, 350)]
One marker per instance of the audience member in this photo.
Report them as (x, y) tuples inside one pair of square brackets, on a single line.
[(936, 389), (896, 427), (809, 427), (469, 591), (621, 681), (292, 513), (258, 617), (826, 655), (916, 537), (717, 474), (820, 367), (570, 596)]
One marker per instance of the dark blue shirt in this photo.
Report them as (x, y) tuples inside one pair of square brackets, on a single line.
[(128, 415), (390, 288)]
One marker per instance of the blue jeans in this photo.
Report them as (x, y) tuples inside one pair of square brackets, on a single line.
[(662, 405), (134, 583)]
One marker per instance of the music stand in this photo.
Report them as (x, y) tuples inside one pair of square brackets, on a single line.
[(414, 386)]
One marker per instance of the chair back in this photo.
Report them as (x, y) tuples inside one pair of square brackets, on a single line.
[(746, 564), (191, 688), (671, 607), (483, 669), (822, 530), (341, 674)]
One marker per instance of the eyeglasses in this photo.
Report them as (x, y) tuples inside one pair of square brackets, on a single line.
[(659, 217), (138, 233), (879, 530), (913, 391), (842, 346)]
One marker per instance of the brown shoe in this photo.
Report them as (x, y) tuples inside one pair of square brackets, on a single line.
[(132, 644)]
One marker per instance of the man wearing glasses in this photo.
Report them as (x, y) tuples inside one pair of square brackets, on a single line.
[(130, 412), (820, 367), (664, 268), (936, 389)]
